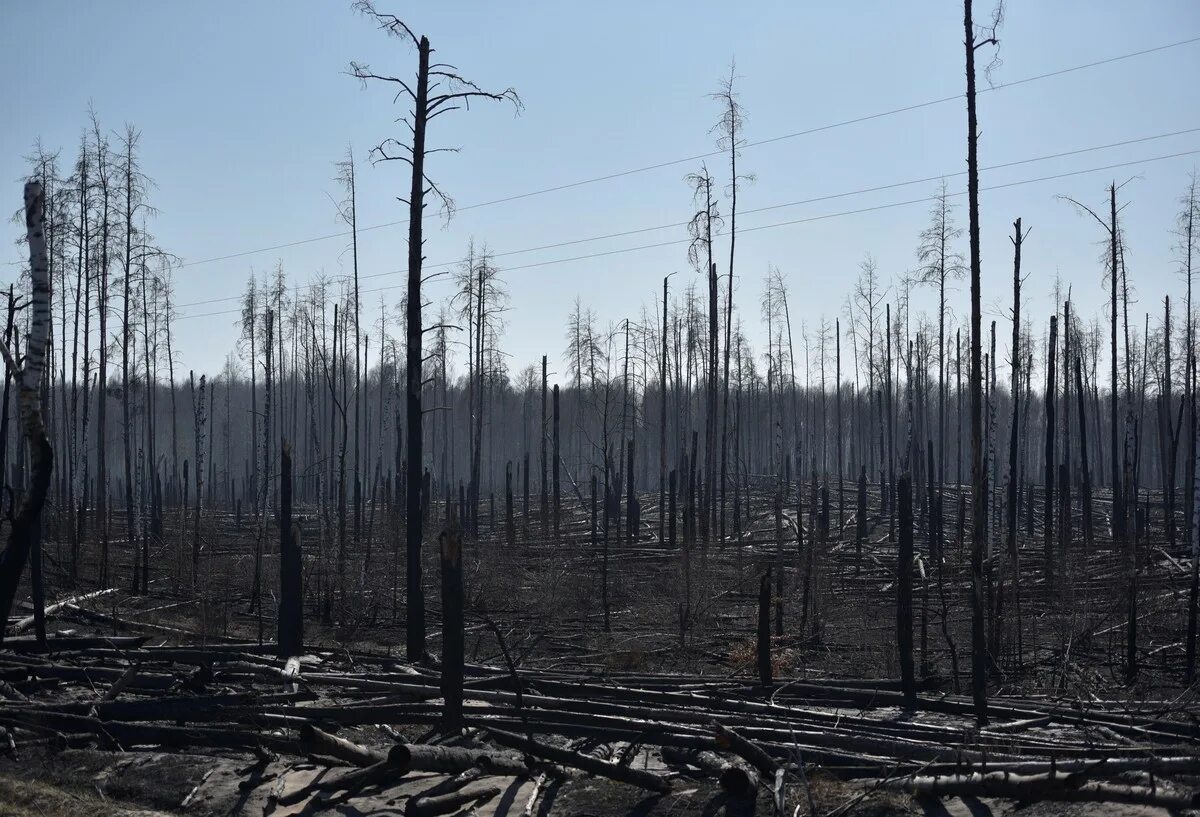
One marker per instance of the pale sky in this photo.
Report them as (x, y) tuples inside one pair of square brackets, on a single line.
[(245, 107)]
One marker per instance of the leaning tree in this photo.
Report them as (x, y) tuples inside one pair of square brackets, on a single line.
[(438, 88)]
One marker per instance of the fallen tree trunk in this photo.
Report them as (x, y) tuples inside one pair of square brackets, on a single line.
[(59, 644), (27, 622), (1189, 764), (115, 734), (586, 763), (446, 803), (738, 781), (752, 753), (429, 758), (321, 742), (93, 675), (351, 781), (1073, 787)]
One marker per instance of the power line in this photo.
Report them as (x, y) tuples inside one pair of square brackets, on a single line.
[(710, 154), (792, 222), (816, 199)]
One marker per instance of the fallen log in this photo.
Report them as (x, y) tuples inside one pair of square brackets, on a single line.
[(607, 699), (752, 753), (130, 624), (352, 781), (587, 763), (1150, 728), (455, 783), (773, 724), (453, 759), (197, 656), (321, 742), (844, 762), (71, 643), (27, 622), (121, 683), (1093, 768), (91, 675), (1073, 787), (1019, 726), (116, 734), (735, 779), (228, 707), (446, 803)]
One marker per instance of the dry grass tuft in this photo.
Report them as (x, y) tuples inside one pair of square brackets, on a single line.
[(33, 798)]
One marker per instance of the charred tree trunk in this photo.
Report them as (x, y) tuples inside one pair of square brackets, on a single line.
[(631, 501), (424, 108), (860, 520), (25, 524), (979, 658), (1118, 508), (710, 421), (1085, 468), (126, 337), (838, 384), (764, 629), (904, 592), (1014, 476), (1189, 666), (779, 577), (556, 467), (414, 439), (1169, 439), (452, 626), (199, 417), (291, 589), (662, 422), (510, 526), (545, 508), (1051, 426)]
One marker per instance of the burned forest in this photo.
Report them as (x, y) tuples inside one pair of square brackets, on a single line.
[(914, 536)]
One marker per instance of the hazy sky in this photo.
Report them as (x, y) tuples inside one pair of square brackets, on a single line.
[(245, 107)]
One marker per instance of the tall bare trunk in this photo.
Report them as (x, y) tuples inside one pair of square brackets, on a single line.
[(979, 658), (415, 604), (1014, 475)]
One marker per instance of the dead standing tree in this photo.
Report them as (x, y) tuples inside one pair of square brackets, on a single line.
[(200, 416), (482, 299), (1120, 510), (972, 43), (729, 129), (904, 591), (290, 627), (700, 228), (102, 258), (133, 193), (437, 89), (1113, 236), (1014, 476), (1051, 426), (1187, 233), (348, 212), (940, 264), (25, 526)]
